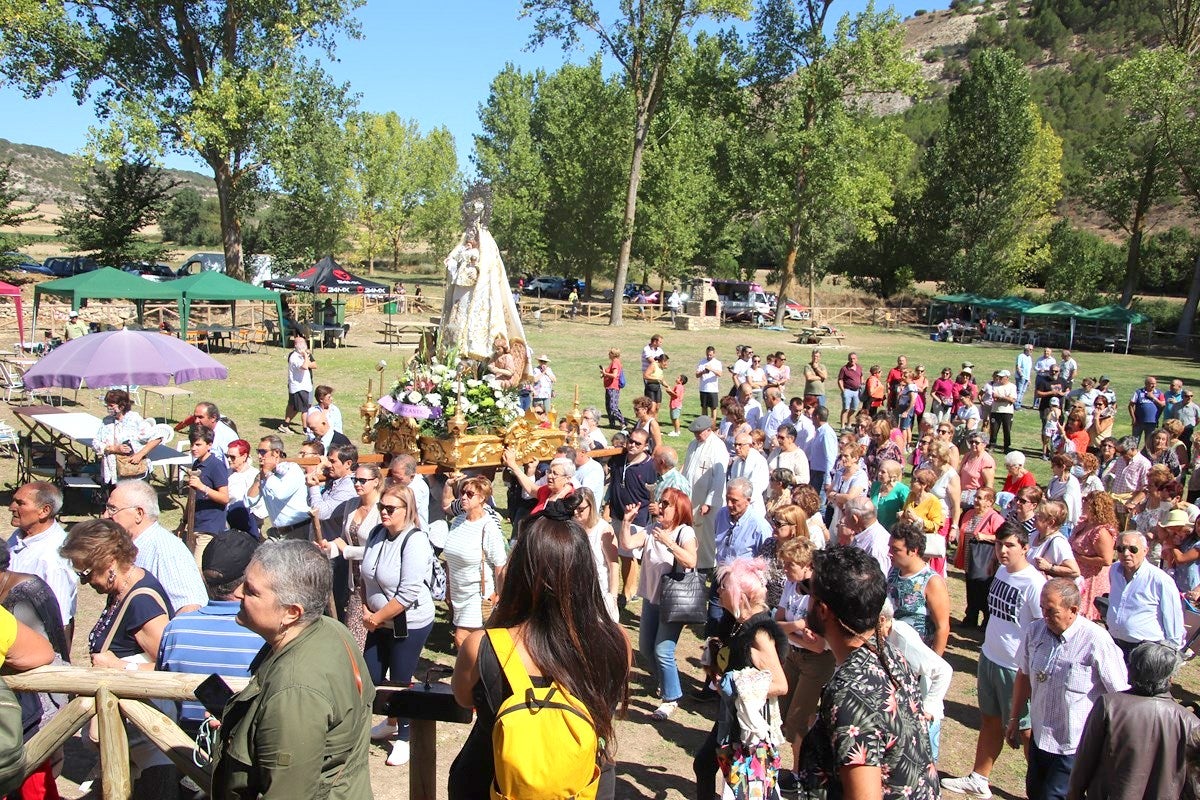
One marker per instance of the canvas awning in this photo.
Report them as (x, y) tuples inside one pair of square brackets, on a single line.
[(217, 287), (8, 290), (106, 283), (327, 277), (1059, 308)]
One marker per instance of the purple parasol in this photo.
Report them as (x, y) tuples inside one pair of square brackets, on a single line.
[(122, 358)]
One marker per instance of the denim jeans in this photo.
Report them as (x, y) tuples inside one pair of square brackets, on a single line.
[(716, 612), (1022, 388), (397, 657), (935, 738), (656, 641), (1048, 774)]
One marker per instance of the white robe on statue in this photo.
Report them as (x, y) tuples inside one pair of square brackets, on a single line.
[(482, 305)]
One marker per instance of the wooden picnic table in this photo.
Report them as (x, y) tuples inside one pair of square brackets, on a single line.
[(820, 337)]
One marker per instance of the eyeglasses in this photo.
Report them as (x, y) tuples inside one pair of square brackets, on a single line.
[(470, 493), (83, 575), (741, 444), (582, 507), (359, 481), (1023, 501), (262, 452), (1128, 548), (112, 510), (390, 509)]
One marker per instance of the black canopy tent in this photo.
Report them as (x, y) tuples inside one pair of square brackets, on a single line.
[(327, 277)]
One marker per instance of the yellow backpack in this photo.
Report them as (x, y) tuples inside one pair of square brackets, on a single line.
[(544, 743)]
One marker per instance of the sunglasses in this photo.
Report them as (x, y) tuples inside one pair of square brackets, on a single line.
[(1023, 501), (1128, 548), (262, 452), (387, 508), (635, 443), (470, 494), (83, 575), (359, 481)]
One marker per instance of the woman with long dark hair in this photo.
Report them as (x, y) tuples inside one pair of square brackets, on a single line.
[(554, 613)]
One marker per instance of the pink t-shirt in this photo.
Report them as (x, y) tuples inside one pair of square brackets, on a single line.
[(676, 393), (970, 471), (943, 389)]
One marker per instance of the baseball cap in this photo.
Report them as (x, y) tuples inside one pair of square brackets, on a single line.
[(967, 370), (226, 557), (73, 314), (1105, 379), (1054, 401), (701, 423), (1003, 374)]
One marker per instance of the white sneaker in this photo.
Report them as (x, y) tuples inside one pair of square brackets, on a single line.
[(972, 786), (384, 730), (399, 755), (673, 434), (665, 710)]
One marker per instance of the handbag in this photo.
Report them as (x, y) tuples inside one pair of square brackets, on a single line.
[(128, 469), (682, 596)]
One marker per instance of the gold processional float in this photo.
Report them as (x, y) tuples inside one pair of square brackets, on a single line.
[(455, 405)]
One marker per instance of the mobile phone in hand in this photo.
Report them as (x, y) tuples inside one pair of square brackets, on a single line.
[(213, 693)]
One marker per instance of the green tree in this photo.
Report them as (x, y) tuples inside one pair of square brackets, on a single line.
[(822, 168), (118, 203), (508, 156), (405, 186), (991, 179), (1081, 265), (181, 219), (310, 168), (206, 77), (13, 213), (642, 39), (578, 123)]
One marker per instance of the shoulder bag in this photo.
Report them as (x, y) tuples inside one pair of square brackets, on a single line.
[(682, 596)]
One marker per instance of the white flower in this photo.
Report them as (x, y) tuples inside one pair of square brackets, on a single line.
[(414, 397), (474, 383), (441, 370), (434, 399)]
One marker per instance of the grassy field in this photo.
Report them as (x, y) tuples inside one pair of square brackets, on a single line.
[(656, 756)]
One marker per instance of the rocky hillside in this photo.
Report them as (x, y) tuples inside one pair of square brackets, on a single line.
[(48, 177)]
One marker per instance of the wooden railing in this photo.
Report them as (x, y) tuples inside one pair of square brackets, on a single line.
[(111, 695)]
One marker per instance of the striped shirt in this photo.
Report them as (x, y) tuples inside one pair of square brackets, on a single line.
[(205, 642)]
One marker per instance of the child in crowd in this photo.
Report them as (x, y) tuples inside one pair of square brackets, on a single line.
[(676, 404), (1050, 428)]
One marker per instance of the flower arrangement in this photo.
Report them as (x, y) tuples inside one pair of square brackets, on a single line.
[(430, 391)]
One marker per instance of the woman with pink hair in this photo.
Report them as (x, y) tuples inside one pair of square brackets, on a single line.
[(755, 640)]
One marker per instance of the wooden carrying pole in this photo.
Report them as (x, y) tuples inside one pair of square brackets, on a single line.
[(133, 685)]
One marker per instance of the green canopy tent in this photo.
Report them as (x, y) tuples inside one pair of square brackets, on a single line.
[(106, 283), (1117, 315), (1059, 308), (217, 287), (965, 299)]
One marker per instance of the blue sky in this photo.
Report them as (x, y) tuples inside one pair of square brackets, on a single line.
[(428, 61)]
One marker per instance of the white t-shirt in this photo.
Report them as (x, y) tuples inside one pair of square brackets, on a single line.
[(649, 354), (1004, 398), (1013, 602), (299, 378), (711, 380), (1055, 549)]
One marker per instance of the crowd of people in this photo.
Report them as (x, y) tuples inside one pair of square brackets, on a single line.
[(809, 545)]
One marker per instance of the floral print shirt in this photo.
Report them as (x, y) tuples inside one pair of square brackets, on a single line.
[(866, 718)]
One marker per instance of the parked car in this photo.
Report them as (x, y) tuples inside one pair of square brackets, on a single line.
[(259, 268), (151, 271), (796, 311), (66, 266), (22, 263), (549, 286)]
